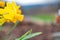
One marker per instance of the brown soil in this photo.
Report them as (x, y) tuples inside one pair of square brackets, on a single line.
[(23, 27)]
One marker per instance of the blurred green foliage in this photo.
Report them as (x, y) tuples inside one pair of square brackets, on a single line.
[(43, 17)]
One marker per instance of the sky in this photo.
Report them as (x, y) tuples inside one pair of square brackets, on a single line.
[(31, 2)]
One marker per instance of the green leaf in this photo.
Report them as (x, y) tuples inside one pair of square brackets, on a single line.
[(27, 33), (32, 35)]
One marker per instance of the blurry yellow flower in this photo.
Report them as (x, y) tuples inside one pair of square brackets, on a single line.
[(15, 5), (8, 21), (19, 11), (2, 19), (2, 4), (10, 13), (18, 17), (13, 13)]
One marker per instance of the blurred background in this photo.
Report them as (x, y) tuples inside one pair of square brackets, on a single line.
[(40, 17), (39, 9)]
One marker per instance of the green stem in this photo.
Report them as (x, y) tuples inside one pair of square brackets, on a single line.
[(13, 27), (0, 27)]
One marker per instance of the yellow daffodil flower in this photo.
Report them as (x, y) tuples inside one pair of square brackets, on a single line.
[(18, 17), (2, 19), (10, 13), (2, 4), (13, 13)]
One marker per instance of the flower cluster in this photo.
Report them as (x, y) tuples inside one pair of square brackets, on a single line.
[(10, 13)]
